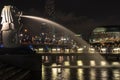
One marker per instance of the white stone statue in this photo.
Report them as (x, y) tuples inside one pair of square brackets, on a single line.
[(10, 26)]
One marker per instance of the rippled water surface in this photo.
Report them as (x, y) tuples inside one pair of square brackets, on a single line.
[(53, 71)]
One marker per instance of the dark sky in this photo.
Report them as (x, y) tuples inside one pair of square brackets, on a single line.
[(80, 16), (80, 7), (83, 7)]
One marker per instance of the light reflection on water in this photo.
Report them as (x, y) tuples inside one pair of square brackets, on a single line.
[(80, 73), (75, 73), (92, 74)]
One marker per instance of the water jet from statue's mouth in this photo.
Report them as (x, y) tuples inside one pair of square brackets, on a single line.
[(20, 13)]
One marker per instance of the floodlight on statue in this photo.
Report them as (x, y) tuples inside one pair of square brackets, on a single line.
[(10, 26)]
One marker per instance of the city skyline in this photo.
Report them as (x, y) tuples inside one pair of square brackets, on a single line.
[(79, 16)]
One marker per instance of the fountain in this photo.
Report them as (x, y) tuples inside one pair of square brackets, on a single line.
[(12, 27), (37, 22)]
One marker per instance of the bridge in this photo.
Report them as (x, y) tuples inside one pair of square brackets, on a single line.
[(109, 57)]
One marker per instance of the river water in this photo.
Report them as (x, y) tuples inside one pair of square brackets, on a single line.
[(54, 71)]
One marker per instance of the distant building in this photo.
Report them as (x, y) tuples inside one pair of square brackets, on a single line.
[(105, 35)]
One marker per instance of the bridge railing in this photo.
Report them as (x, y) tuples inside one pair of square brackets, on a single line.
[(78, 50)]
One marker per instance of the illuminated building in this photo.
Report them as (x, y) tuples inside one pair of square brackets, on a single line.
[(107, 34), (106, 38)]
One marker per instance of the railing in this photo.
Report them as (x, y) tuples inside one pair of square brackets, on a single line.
[(77, 50)]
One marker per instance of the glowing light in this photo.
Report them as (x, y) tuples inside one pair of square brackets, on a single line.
[(92, 63), (104, 73), (25, 30), (43, 72), (103, 63), (92, 74), (80, 50), (66, 63), (116, 50), (58, 49), (79, 63), (54, 64), (54, 50), (115, 63), (103, 50), (116, 73), (80, 74), (40, 50), (91, 50), (54, 73)]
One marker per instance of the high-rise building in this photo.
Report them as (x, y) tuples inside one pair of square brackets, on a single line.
[(50, 9), (50, 12)]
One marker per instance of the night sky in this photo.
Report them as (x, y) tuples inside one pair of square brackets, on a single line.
[(79, 7), (80, 16)]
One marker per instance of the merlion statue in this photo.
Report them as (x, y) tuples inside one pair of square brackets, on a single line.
[(10, 26)]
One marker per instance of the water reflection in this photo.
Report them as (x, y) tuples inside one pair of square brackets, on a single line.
[(80, 73), (116, 74), (92, 74), (104, 74), (68, 70)]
